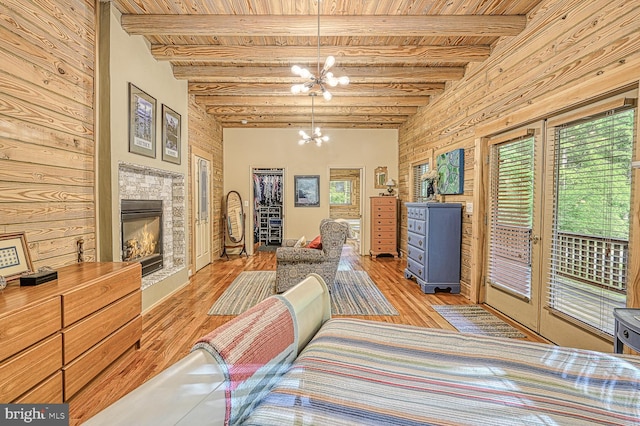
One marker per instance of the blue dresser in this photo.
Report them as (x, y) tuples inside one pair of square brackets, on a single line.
[(433, 245)]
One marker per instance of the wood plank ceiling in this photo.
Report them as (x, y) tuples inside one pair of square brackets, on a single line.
[(398, 54)]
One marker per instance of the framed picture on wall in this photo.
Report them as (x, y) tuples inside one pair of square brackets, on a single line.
[(142, 122), (450, 166), (170, 135), (307, 191)]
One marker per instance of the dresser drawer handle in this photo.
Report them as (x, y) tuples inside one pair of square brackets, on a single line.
[(420, 257), (626, 334), (420, 271), (408, 238), (420, 243)]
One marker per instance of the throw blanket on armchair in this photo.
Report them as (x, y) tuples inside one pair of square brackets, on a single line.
[(255, 349)]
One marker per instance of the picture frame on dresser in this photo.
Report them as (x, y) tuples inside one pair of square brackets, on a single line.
[(142, 122), (171, 132), (15, 258)]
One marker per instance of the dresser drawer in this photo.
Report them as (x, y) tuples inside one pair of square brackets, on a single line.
[(385, 201), (99, 293), (384, 247), (416, 240), (416, 268), (89, 331), (417, 226), (47, 392), (384, 221), (27, 369), (25, 327), (385, 209), (384, 228), (416, 213), (84, 368), (416, 254)]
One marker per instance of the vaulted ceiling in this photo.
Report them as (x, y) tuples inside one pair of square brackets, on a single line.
[(398, 54)]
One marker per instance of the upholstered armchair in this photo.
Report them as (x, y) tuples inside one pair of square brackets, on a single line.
[(295, 263)]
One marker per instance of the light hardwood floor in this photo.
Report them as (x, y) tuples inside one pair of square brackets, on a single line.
[(171, 328)]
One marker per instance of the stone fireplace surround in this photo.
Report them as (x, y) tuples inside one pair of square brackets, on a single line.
[(137, 182)]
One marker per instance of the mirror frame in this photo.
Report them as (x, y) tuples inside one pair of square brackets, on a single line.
[(232, 238)]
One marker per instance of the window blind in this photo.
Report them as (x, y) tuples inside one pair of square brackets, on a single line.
[(511, 216), (590, 226), (419, 185)]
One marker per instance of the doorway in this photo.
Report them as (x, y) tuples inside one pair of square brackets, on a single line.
[(345, 202), (202, 223), (559, 222)]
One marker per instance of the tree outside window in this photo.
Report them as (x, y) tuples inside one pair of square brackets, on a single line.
[(340, 192)]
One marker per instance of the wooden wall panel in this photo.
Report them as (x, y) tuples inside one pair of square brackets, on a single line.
[(205, 136), (566, 44), (47, 170)]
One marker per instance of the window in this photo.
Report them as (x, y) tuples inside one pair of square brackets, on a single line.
[(590, 226), (340, 192), (511, 216), (420, 185)]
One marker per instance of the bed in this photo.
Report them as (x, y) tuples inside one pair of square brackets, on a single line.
[(284, 362)]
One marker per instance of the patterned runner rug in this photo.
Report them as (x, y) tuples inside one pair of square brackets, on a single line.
[(354, 293), (476, 320)]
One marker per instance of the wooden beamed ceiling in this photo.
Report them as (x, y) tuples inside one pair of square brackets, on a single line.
[(397, 55)]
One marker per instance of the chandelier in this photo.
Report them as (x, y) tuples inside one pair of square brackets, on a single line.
[(316, 136), (322, 78)]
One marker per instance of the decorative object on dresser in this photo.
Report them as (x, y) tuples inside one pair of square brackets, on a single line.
[(59, 335), (433, 245), (384, 226)]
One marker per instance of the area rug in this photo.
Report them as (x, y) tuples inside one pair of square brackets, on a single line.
[(354, 293), (476, 320)]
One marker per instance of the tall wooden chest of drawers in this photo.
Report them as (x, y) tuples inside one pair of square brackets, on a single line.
[(57, 336), (433, 245), (384, 226)]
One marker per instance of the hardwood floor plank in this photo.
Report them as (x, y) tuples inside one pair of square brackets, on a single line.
[(171, 328)]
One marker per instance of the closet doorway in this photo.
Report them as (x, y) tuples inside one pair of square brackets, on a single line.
[(268, 217), (345, 202)]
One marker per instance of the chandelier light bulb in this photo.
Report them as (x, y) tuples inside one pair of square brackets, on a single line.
[(305, 73), (296, 88), (328, 63), (344, 80), (326, 95), (296, 69)]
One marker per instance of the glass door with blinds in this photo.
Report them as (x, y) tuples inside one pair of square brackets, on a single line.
[(514, 226), (588, 222)]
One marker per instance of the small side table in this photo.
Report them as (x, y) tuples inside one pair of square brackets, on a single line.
[(627, 329)]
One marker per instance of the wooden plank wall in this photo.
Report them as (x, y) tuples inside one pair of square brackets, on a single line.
[(205, 140), (570, 51), (47, 147)]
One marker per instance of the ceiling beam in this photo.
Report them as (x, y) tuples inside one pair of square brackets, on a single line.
[(338, 100), (254, 74), (301, 55), (331, 25), (277, 89), (325, 125), (306, 119), (320, 110)]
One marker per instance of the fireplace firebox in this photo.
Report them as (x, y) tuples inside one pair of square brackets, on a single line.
[(142, 233)]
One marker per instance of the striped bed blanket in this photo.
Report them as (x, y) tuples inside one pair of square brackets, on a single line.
[(358, 372)]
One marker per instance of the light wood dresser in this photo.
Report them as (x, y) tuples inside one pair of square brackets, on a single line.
[(384, 226), (57, 336)]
